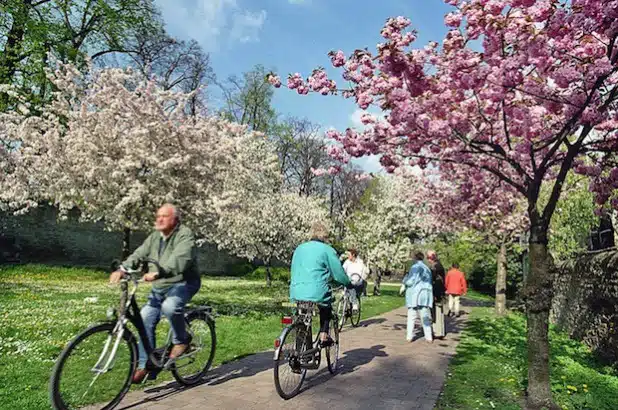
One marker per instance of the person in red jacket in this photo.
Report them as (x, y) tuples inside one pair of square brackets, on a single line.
[(455, 287)]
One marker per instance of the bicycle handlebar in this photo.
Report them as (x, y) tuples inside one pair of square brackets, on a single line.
[(360, 278), (132, 273)]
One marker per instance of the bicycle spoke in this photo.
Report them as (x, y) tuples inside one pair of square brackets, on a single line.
[(191, 366), (289, 375), (94, 379), (92, 370)]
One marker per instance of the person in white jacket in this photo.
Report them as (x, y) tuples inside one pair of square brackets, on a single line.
[(354, 265)]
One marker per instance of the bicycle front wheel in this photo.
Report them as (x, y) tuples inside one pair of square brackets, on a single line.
[(356, 315), (94, 369), (189, 368), (341, 313), (289, 375)]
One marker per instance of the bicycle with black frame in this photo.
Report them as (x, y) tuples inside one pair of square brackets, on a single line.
[(106, 354), (296, 350)]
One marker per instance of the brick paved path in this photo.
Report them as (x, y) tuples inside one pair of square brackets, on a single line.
[(379, 370)]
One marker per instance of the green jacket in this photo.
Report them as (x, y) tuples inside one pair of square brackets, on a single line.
[(178, 256), (314, 265)]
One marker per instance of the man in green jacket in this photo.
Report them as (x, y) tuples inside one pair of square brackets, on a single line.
[(314, 265), (173, 246)]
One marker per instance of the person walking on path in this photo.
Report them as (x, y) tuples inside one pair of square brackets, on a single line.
[(439, 292), (456, 286), (417, 285)]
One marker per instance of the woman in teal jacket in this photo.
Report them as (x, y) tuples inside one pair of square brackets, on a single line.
[(314, 265), (419, 296)]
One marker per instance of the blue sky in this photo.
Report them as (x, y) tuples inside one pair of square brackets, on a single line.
[(296, 36)]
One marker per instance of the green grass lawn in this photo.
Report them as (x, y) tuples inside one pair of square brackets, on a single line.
[(42, 308), (489, 370)]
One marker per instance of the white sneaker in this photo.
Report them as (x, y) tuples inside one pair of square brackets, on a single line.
[(355, 307)]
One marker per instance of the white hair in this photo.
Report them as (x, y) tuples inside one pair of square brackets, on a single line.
[(175, 210)]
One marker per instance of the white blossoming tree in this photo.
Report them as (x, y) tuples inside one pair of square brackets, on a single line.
[(117, 146), (268, 225), (383, 230)]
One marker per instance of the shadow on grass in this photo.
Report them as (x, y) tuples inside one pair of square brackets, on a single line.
[(492, 360), (508, 334), (467, 302)]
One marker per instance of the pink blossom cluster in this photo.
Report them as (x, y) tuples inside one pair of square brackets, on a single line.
[(337, 58), (338, 153), (461, 199), (318, 81), (274, 80)]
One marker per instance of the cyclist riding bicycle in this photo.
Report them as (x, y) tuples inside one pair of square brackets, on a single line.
[(356, 270), (314, 264), (173, 246)]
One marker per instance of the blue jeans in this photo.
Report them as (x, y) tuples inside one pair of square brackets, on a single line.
[(170, 302)]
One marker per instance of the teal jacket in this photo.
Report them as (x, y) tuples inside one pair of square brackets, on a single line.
[(314, 265), (177, 256)]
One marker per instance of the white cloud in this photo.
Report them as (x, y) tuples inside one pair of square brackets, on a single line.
[(370, 163), (246, 25), (212, 22), (355, 117), (298, 1)]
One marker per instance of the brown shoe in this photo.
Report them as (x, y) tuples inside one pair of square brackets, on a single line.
[(178, 351), (139, 376)]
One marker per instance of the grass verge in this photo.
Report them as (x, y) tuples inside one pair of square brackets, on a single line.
[(490, 370)]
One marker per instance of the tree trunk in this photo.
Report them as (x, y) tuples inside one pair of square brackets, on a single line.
[(538, 296), (269, 279), (332, 196), (9, 58), (376, 284), (126, 243), (501, 280)]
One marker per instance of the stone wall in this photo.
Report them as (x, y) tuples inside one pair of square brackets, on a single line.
[(40, 238), (585, 301)]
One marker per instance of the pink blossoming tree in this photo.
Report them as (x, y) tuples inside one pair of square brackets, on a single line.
[(491, 208), (518, 89)]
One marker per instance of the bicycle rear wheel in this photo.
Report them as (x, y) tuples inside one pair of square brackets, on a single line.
[(79, 377), (356, 315), (332, 352), (189, 368), (289, 375)]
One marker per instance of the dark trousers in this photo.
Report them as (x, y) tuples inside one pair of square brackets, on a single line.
[(325, 316)]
